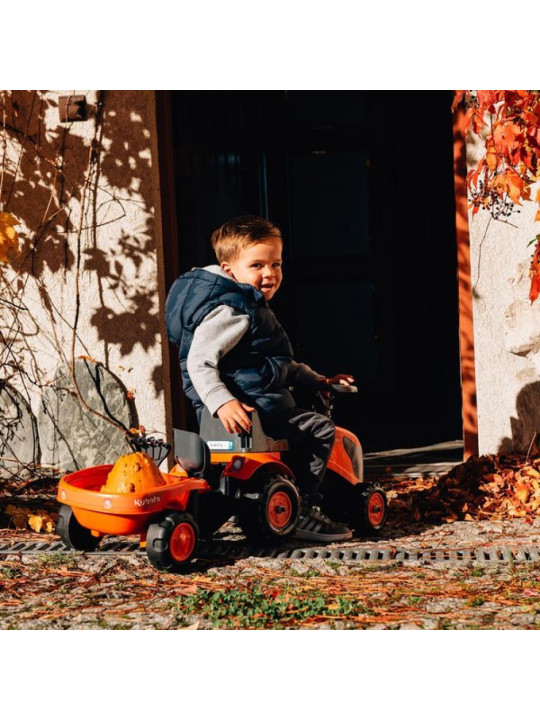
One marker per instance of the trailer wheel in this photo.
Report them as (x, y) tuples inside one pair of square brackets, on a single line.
[(172, 542), (271, 514), (369, 510), (72, 533)]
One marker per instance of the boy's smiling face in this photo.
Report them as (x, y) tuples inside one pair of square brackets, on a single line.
[(258, 265)]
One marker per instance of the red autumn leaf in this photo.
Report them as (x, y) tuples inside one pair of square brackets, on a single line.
[(472, 178), (467, 121), (492, 159), (510, 97), (487, 99), (505, 136), (529, 118), (535, 274), (457, 98), (527, 158), (514, 186), (534, 293), (478, 120), (534, 136)]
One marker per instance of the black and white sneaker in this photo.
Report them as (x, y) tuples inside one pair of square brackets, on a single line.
[(319, 528)]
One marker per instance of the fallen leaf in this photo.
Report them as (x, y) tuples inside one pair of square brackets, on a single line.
[(40, 521), (35, 522), (18, 515), (522, 492)]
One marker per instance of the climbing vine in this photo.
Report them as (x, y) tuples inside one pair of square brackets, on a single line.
[(60, 184)]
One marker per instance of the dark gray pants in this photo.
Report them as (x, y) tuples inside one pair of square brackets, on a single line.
[(311, 438)]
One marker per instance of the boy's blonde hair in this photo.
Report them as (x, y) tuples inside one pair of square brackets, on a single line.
[(240, 232)]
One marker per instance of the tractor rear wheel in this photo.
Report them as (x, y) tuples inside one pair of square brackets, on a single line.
[(271, 513), (369, 510)]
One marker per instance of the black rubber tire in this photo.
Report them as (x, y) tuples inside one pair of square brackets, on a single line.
[(72, 533), (158, 542), (360, 518), (253, 515)]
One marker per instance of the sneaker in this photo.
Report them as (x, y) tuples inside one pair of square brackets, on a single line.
[(316, 526)]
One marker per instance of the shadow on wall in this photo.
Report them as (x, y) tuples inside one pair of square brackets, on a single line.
[(526, 427), (83, 193), (49, 173), (125, 166)]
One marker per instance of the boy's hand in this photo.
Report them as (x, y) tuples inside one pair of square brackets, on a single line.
[(340, 379), (234, 416)]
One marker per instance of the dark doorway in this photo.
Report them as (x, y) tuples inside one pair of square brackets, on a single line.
[(361, 183)]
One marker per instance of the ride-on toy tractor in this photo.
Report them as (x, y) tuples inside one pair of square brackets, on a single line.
[(217, 475)]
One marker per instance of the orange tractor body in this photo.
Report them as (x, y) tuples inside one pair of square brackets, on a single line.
[(216, 476)]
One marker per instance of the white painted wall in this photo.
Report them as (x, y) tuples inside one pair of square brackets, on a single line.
[(506, 326), (120, 317)]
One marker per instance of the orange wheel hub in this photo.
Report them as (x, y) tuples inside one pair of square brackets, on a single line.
[(182, 542), (279, 509), (375, 509)]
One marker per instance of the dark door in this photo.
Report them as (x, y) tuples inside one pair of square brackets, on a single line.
[(361, 184)]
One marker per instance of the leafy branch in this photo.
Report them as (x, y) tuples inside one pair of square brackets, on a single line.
[(509, 166)]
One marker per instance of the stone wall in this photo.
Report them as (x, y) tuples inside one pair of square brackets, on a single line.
[(81, 344), (506, 326)]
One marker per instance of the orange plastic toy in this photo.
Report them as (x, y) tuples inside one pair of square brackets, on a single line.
[(88, 512), (134, 473), (216, 476)]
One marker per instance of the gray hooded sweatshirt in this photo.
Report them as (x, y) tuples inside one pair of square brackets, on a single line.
[(217, 334)]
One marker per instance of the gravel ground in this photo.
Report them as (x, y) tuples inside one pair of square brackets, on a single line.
[(58, 590), (77, 591)]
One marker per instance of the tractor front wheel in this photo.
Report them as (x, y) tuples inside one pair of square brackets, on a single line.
[(172, 542)]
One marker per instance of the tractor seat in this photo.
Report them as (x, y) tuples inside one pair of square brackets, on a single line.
[(219, 440), (191, 452)]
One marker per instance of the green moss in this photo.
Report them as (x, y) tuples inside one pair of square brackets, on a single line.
[(478, 601)]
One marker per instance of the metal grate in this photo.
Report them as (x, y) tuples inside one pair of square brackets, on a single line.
[(236, 550)]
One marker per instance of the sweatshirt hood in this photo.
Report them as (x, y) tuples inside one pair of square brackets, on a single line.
[(216, 270)]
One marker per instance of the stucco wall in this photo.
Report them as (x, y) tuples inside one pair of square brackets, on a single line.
[(85, 278), (506, 326)]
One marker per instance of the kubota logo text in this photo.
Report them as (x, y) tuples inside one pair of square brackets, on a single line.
[(142, 502)]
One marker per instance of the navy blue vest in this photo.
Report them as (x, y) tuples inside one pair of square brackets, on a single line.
[(255, 370)]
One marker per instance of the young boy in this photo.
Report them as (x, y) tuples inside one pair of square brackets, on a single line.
[(235, 356)]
